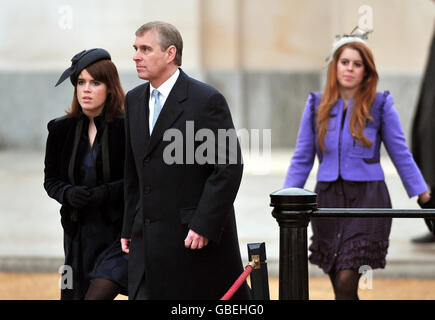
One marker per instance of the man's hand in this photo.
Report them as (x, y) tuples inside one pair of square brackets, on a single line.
[(195, 241), (125, 245)]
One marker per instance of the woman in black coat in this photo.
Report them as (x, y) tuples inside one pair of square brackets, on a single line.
[(84, 162)]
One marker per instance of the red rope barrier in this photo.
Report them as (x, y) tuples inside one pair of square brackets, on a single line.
[(238, 283)]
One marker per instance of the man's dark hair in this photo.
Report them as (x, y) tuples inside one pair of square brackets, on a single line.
[(168, 36)]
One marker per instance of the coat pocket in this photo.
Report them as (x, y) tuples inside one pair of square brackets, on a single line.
[(359, 151), (186, 215)]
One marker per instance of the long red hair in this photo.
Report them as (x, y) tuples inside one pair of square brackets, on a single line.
[(362, 101)]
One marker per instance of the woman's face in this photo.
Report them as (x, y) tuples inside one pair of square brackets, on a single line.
[(91, 94), (350, 69)]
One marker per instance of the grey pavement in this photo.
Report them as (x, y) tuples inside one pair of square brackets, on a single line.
[(31, 234)]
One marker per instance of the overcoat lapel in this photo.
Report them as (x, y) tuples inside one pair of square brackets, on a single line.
[(139, 119), (171, 111)]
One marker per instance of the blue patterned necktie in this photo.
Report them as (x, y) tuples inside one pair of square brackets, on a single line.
[(157, 107)]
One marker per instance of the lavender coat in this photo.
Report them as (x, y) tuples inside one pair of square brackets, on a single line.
[(347, 158)]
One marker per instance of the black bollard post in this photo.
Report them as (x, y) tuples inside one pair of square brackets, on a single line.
[(259, 276), (291, 209)]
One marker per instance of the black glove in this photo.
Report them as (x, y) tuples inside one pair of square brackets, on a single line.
[(77, 196), (99, 196), (428, 205)]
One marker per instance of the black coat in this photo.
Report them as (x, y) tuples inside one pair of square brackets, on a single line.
[(162, 201), (423, 128), (89, 231)]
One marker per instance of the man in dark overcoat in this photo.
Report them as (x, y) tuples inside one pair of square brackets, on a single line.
[(179, 223), (423, 134)]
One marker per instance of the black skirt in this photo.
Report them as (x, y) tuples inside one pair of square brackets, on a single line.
[(85, 249), (350, 243), (112, 264)]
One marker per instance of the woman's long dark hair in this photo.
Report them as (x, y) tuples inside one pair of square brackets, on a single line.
[(104, 71)]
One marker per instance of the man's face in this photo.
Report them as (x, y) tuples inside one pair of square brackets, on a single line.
[(151, 61)]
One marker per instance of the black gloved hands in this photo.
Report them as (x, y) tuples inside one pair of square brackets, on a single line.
[(77, 197), (99, 196)]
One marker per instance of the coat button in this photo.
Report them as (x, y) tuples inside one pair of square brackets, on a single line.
[(147, 159), (147, 221), (147, 190)]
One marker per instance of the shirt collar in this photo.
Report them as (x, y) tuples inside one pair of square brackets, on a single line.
[(166, 87)]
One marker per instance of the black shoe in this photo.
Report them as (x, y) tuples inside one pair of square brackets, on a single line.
[(427, 238)]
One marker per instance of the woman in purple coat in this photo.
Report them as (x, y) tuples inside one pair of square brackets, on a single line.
[(345, 126)]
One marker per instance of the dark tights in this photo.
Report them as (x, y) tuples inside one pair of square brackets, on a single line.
[(102, 289), (345, 284)]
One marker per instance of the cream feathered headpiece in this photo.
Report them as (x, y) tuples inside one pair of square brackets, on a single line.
[(357, 35)]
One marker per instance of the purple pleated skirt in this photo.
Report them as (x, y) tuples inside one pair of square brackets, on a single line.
[(350, 243)]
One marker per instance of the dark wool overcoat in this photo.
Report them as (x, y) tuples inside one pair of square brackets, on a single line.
[(164, 200), (423, 128), (87, 232)]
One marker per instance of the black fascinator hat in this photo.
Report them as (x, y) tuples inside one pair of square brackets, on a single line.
[(80, 61)]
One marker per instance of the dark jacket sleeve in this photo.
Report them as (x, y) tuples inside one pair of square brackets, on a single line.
[(53, 183), (221, 187), (117, 153), (131, 183)]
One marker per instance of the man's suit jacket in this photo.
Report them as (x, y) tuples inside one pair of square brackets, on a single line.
[(163, 201)]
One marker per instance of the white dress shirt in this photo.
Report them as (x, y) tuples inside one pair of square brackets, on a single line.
[(164, 89)]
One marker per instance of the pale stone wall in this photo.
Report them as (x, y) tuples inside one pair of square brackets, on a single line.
[(297, 35), (264, 55), (225, 34), (45, 34)]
